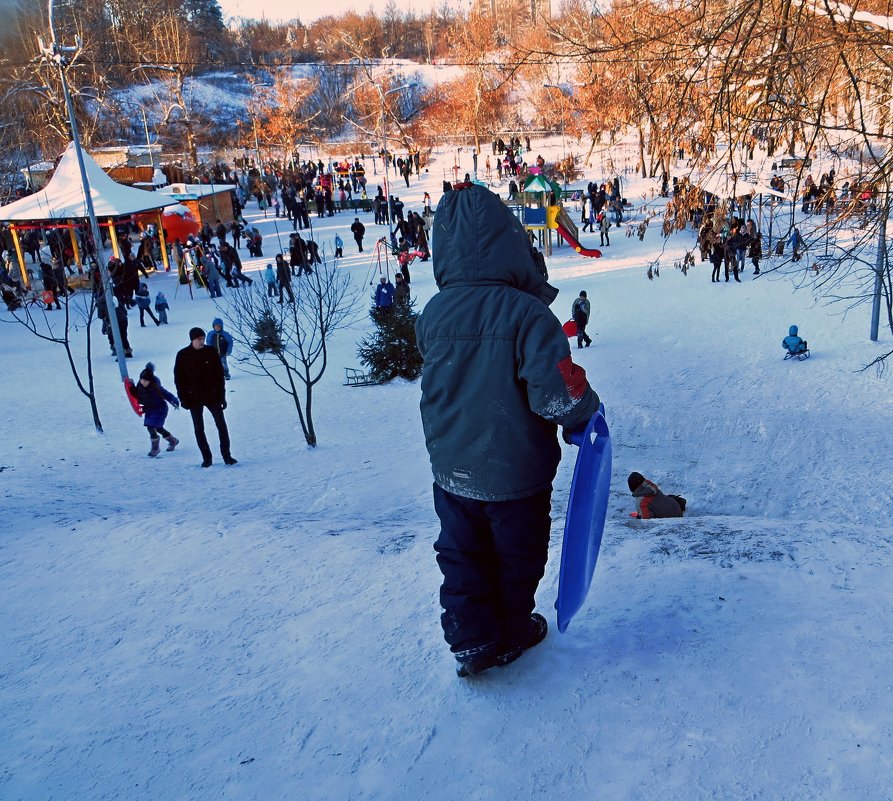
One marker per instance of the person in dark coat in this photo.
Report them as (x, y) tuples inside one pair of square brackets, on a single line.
[(498, 380), (358, 230), (401, 289), (153, 399), (734, 243), (580, 312), (650, 501), (297, 254), (121, 314), (48, 278), (717, 256), (130, 280), (312, 255), (283, 276), (198, 376)]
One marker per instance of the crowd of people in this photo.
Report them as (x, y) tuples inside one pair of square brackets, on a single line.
[(729, 242)]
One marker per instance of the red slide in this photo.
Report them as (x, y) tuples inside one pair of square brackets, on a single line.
[(566, 236)]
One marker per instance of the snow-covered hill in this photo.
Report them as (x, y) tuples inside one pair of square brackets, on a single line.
[(270, 630)]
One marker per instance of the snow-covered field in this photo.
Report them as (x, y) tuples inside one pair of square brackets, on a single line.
[(271, 630)]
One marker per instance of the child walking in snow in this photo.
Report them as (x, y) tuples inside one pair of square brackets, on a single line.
[(161, 307), (153, 399), (144, 303)]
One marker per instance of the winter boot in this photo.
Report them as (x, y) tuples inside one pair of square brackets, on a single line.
[(155, 449), (172, 442), (536, 634), (475, 660)]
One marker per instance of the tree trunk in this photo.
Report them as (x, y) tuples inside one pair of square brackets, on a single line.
[(642, 151)]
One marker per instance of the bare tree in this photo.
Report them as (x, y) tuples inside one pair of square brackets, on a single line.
[(288, 342), (78, 313)]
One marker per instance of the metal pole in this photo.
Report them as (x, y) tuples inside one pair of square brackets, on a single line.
[(387, 191), (57, 57), (879, 265), (148, 141)]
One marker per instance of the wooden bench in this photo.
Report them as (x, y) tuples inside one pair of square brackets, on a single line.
[(357, 204), (357, 378), (794, 163)]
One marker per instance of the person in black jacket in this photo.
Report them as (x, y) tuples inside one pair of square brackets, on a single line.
[(283, 276), (359, 231), (198, 375), (735, 242)]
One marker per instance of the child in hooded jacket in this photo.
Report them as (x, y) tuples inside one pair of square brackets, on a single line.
[(154, 398), (144, 303), (792, 343), (222, 342), (161, 307), (270, 279), (651, 502)]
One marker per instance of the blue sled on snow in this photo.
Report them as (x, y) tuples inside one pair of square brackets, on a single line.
[(587, 509)]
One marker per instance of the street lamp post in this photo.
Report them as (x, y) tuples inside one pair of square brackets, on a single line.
[(56, 54), (384, 140)]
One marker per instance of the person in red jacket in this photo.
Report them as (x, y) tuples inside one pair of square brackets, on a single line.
[(651, 502)]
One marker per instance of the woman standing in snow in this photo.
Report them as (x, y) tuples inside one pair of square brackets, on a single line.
[(154, 398)]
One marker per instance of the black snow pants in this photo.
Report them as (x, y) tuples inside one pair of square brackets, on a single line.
[(492, 555)]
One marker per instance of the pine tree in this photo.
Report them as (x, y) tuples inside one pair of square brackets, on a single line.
[(391, 351), (268, 339)]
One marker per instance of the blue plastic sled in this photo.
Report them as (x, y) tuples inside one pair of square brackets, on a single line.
[(586, 511)]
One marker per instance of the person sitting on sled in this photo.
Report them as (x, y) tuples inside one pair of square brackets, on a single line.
[(792, 343), (651, 502)]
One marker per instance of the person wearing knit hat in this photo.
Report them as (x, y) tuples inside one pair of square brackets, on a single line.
[(198, 375), (153, 400), (650, 501)]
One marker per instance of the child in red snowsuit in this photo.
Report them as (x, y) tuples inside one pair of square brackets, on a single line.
[(651, 502)]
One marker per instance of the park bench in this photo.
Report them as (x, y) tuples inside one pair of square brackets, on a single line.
[(793, 163)]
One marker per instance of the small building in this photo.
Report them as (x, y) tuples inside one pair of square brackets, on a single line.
[(207, 202)]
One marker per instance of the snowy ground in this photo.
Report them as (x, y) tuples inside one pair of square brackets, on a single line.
[(270, 631)]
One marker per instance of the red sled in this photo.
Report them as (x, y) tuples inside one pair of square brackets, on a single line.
[(570, 328), (128, 388)]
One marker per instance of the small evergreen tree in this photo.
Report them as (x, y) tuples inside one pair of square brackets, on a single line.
[(391, 351), (269, 339)]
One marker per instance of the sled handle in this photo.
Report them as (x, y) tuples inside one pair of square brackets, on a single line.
[(579, 437)]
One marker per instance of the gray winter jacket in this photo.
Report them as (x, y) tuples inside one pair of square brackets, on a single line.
[(498, 375)]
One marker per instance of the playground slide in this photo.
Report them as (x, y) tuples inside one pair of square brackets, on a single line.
[(568, 237)]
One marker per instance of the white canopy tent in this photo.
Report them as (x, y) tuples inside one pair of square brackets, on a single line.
[(63, 197), (727, 186), (62, 202)]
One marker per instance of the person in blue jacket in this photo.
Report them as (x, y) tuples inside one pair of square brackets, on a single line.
[(792, 343), (498, 380), (154, 398), (384, 294), (796, 242), (222, 342)]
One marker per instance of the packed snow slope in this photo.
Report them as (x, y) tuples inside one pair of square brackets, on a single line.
[(271, 630)]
